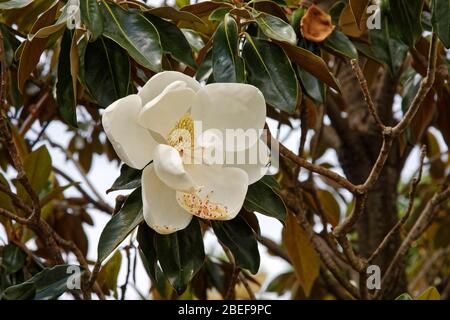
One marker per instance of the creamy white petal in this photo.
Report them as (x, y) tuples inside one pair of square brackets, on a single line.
[(231, 106), (161, 212), (133, 144), (161, 114), (160, 81), (254, 161), (170, 169), (220, 195)]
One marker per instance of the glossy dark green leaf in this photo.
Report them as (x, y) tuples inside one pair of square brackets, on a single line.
[(181, 255), (10, 42), (440, 10), (313, 86), (173, 41), (238, 236), (106, 71), (92, 17), (406, 17), (120, 225), (129, 178), (263, 198), (23, 291), (387, 48), (133, 32), (219, 14), (205, 69), (297, 15), (147, 250), (146, 240), (270, 70), (341, 44), (227, 65), (48, 284), (13, 259), (65, 96), (194, 38), (275, 28)]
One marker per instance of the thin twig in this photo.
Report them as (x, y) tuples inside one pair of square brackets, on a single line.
[(367, 96), (405, 217)]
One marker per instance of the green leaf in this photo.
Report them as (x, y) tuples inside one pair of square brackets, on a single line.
[(13, 259), (38, 166), (270, 70), (173, 41), (146, 240), (120, 225), (406, 17), (341, 44), (14, 4), (65, 96), (23, 291), (219, 14), (404, 296), (129, 178), (387, 48), (313, 86), (133, 32), (147, 250), (10, 43), (48, 284), (182, 3), (194, 39), (238, 236), (262, 197), (440, 18), (275, 28), (181, 255), (106, 71), (227, 65), (310, 62), (92, 17)]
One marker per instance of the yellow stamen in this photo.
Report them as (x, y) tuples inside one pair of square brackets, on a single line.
[(181, 137)]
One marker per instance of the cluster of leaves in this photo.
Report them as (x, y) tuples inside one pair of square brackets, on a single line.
[(65, 73)]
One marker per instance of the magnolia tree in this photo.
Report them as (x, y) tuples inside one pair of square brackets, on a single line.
[(331, 117)]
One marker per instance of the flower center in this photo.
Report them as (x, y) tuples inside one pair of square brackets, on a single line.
[(198, 203), (181, 137)]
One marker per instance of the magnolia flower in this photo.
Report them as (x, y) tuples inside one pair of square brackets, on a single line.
[(154, 130)]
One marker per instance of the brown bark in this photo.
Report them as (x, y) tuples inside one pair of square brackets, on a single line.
[(359, 149)]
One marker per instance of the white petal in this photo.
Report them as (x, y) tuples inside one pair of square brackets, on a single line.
[(170, 169), (254, 161), (230, 106), (161, 80), (161, 212), (133, 144), (163, 112), (221, 193)]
